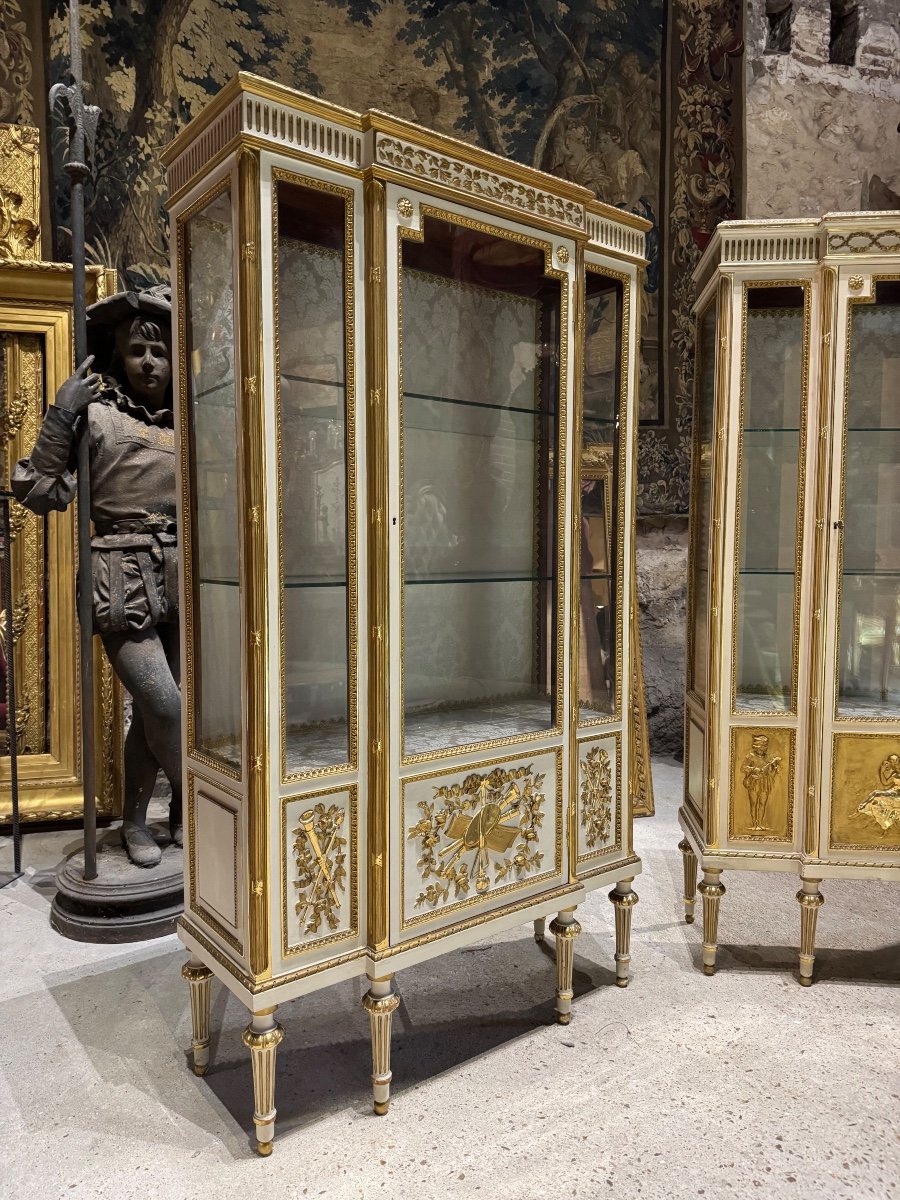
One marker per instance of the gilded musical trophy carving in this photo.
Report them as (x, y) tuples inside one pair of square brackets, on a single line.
[(319, 851), (483, 816)]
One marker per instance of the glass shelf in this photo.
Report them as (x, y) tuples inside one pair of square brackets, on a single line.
[(764, 571), (219, 582), (476, 579), (315, 583), (507, 408), (770, 429)]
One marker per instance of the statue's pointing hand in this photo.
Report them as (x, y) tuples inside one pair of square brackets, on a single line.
[(80, 389)]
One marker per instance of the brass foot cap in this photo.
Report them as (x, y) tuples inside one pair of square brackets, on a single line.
[(381, 1107), (563, 1018), (689, 918), (201, 1071), (806, 980), (708, 970), (621, 983), (264, 1148)]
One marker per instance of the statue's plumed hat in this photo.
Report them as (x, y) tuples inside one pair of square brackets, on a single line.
[(105, 316), (155, 303)]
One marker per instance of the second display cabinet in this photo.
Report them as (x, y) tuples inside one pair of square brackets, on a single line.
[(793, 685), (406, 702)]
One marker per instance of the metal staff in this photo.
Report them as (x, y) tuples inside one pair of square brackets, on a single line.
[(82, 128)]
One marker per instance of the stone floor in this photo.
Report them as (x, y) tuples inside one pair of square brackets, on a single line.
[(740, 1085)]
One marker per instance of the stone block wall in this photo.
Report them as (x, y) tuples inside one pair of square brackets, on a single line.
[(822, 136)]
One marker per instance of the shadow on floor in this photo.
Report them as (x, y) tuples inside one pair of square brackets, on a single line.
[(872, 968), (496, 994)]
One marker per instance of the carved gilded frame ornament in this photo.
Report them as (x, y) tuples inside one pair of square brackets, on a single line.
[(36, 331)]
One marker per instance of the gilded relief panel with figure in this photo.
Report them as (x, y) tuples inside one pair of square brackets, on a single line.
[(762, 784), (865, 792)]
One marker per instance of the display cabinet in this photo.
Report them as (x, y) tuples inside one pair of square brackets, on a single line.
[(404, 640), (793, 665)]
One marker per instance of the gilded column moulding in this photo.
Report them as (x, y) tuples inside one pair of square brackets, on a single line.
[(865, 792), (762, 769)]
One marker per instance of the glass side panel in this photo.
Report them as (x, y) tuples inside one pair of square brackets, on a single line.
[(480, 346), (869, 666), (313, 421), (211, 418), (769, 498), (600, 458), (704, 415)]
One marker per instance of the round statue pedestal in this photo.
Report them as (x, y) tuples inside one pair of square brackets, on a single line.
[(124, 903)]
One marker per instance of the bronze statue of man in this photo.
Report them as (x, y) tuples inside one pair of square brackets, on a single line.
[(125, 410)]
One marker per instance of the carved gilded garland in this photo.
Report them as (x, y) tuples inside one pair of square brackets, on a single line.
[(486, 823), (476, 181), (596, 797)]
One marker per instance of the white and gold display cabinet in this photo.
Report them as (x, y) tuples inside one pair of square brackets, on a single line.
[(384, 338), (793, 666)]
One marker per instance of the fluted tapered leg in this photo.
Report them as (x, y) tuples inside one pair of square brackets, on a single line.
[(689, 862), (712, 892), (565, 929), (811, 900), (540, 927), (263, 1037), (380, 1002), (624, 899), (199, 979)]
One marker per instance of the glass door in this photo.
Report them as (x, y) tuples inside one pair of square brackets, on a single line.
[(316, 444), (480, 321), (868, 666), (209, 407), (769, 519), (599, 586)]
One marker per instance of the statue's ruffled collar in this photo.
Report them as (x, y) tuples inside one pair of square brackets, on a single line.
[(113, 394)]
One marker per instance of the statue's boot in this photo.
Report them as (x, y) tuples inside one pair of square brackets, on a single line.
[(140, 844), (175, 825)]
